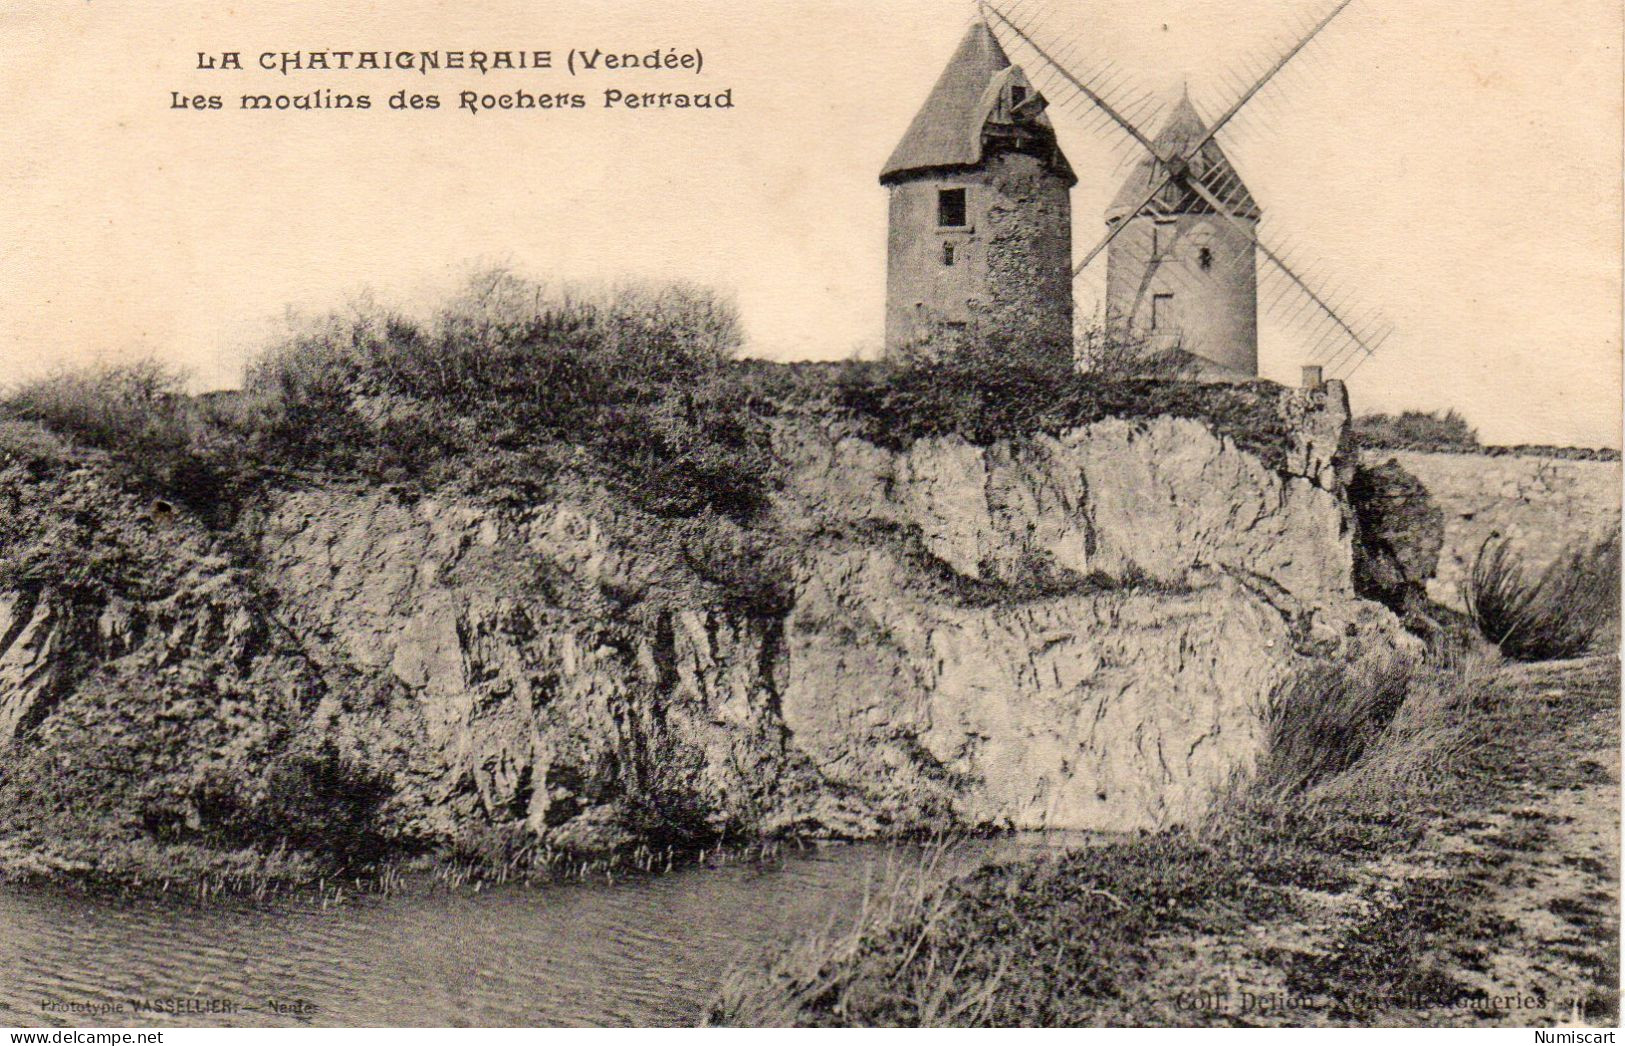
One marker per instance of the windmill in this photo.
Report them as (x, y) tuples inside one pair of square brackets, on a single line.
[(1183, 242)]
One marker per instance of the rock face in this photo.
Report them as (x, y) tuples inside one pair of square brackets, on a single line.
[(31, 655), (536, 699), (1079, 631), (1401, 531), (1109, 711), (1126, 499), (1542, 504), (1071, 631)]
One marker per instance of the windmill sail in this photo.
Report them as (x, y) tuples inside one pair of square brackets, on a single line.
[(1182, 238)]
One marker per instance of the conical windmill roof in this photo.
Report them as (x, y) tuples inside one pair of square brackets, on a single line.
[(947, 131), (1183, 130)]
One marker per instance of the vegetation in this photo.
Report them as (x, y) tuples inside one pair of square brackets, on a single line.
[(502, 389), (1557, 612), (896, 405), (136, 408), (1105, 353), (511, 388), (1325, 718), (1108, 353), (1400, 531), (902, 891), (1448, 432), (138, 417), (1360, 767), (520, 383), (1399, 534), (1416, 430)]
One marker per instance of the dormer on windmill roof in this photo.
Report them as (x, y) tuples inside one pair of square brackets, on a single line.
[(1183, 130), (972, 98)]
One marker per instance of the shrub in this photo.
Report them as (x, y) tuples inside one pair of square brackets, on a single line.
[(136, 407), (1551, 615), (1415, 430), (311, 799), (324, 802), (157, 438), (637, 376), (32, 445), (984, 342), (1112, 354)]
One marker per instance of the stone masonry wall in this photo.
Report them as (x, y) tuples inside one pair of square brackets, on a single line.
[(1012, 271), (1542, 504)]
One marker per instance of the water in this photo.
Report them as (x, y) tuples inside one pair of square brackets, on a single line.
[(641, 952)]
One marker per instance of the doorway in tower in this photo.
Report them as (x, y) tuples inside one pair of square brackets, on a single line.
[(1162, 314)]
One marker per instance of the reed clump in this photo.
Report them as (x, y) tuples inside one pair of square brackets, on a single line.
[(1549, 614)]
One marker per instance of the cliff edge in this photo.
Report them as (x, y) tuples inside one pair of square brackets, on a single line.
[(1073, 628)]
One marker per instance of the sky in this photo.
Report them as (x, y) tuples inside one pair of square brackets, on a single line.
[(1452, 167)]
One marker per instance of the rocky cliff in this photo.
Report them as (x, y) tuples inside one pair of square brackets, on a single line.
[(1076, 630)]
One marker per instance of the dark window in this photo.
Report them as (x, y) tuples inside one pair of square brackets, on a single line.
[(947, 254), (1206, 258), (1162, 312), (951, 208), (1162, 239)]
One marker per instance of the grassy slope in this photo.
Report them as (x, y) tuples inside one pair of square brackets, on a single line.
[(1476, 858)]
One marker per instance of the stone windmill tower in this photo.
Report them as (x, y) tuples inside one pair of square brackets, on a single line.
[(1184, 275), (1185, 253), (980, 235)]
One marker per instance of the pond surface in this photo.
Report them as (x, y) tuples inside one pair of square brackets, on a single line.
[(638, 952)]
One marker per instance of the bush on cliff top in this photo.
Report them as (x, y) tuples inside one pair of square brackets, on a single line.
[(507, 386), (156, 438), (508, 378), (986, 405), (135, 407), (892, 405), (1416, 430)]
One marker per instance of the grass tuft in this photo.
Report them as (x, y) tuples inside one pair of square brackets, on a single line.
[(1551, 615), (1327, 717), (837, 969)]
